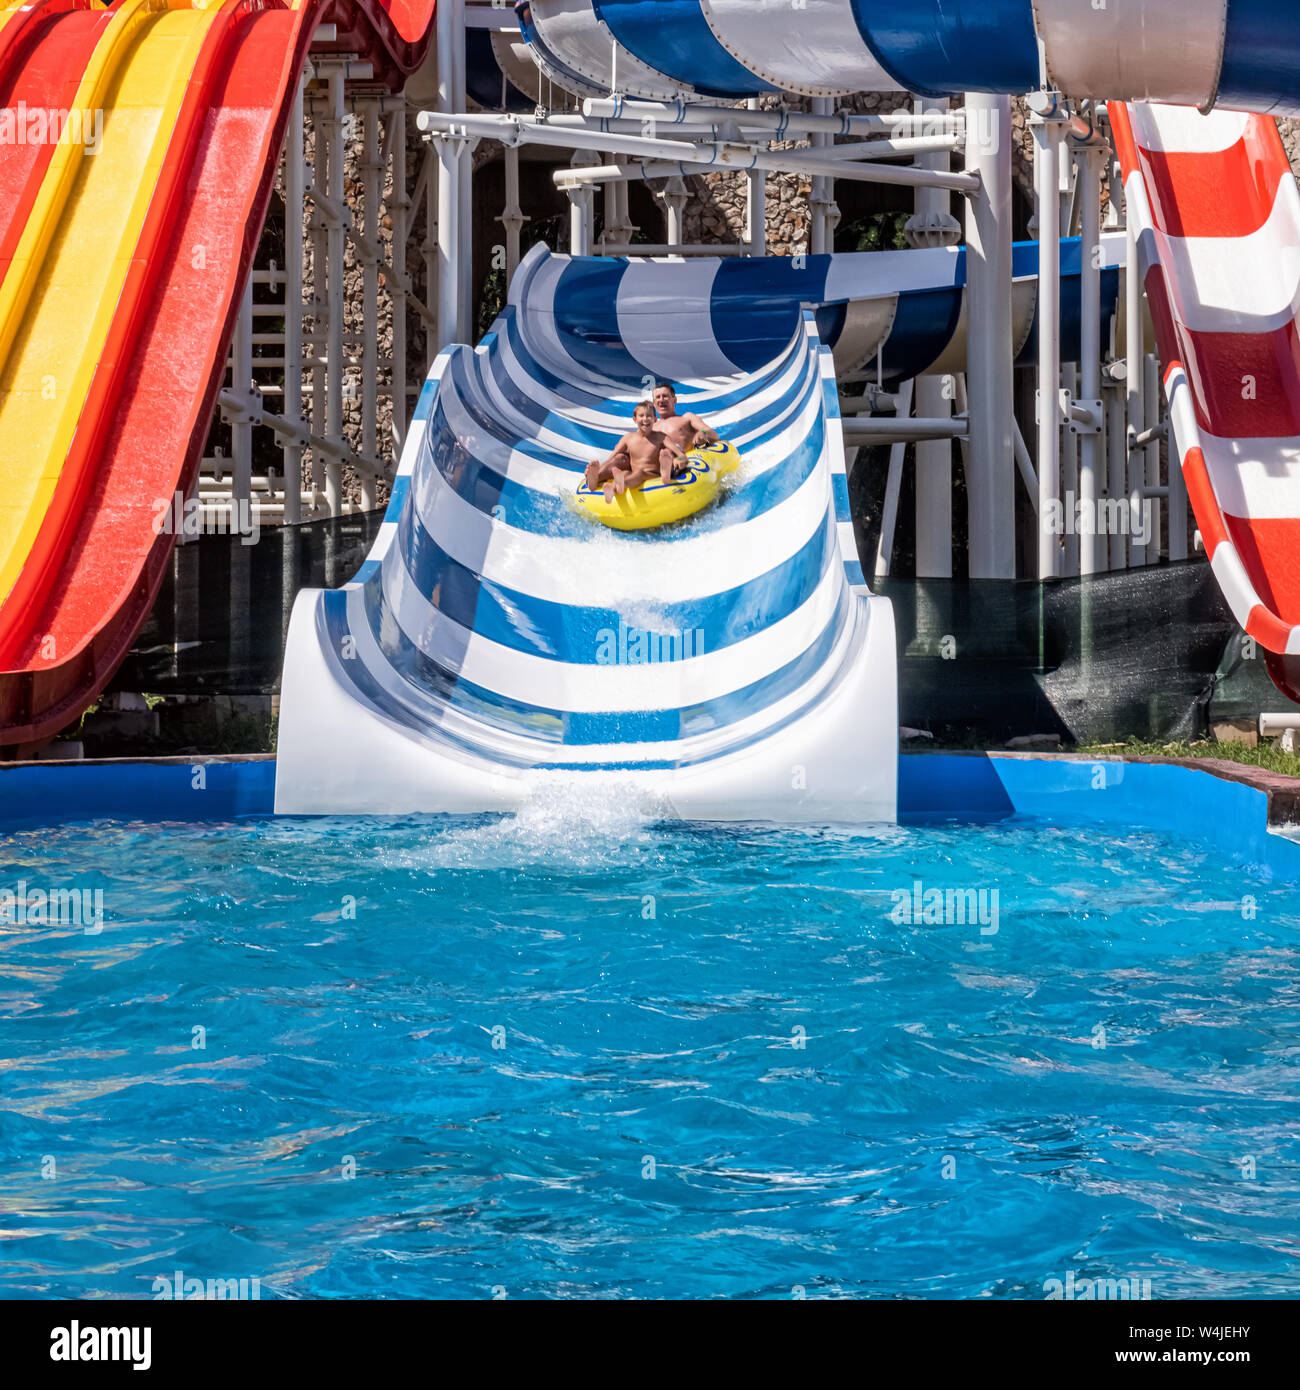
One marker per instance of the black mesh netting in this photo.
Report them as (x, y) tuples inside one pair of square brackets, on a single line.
[(1150, 653), (222, 613)]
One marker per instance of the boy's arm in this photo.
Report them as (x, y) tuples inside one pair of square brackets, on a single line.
[(619, 448), (668, 443)]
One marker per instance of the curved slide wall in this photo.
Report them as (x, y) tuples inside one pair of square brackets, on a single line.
[(113, 331), (495, 643), (1218, 214), (1237, 54)]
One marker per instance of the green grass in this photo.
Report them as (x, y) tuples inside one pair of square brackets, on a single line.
[(1266, 756)]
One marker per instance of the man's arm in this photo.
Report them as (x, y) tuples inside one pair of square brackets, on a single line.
[(703, 434)]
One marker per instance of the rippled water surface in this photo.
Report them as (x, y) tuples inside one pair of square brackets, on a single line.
[(579, 1054)]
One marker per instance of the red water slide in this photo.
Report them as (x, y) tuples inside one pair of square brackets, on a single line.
[(94, 571)]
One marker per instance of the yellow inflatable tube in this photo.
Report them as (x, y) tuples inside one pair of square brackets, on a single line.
[(656, 503)]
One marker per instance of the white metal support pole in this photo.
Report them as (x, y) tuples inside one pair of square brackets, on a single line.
[(819, 198), (1047, 181), (372, 184), (336, 367), (448, 216), (1134, 353), (400, 212), (1117, 468), (609, 238), (448, 221), (1070, 494), (893, 487), (1151, 415), (756, 204), (429, 247), (294, 181), (675, 197), (933, 225), (320, 304), (990, 482), (465, 172), (241, 429), (625, 224), (1177, 507), (1092, 548), (512, 215), (581, 201)]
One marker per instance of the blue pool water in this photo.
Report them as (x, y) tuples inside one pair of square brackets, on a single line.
[(722, 1067)]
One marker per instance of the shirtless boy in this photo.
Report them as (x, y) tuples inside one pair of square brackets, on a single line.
[(637, 457), (686, 431)]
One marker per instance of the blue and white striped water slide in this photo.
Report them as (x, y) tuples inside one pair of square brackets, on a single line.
[(1238, 54), (732, 666)]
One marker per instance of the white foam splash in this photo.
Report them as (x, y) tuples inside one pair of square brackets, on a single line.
[(571, 819)]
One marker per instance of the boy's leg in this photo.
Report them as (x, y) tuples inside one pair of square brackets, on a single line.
[(596, 475), (632, 478), (667, 463), (620, 479)]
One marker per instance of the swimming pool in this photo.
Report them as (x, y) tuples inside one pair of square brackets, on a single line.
[(575, 1054)]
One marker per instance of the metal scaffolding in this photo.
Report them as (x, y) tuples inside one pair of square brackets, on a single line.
[(321, 381)]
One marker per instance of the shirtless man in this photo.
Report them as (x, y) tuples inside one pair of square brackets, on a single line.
[(686, 431), (637, 457)]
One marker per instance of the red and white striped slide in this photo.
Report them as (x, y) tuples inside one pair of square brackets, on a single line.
[(1218, 216)]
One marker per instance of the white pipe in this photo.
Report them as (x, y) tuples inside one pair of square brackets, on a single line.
[(371, 180), (990, 477), (819, 194), (1026, 466), (1151, 407), (467, 289), (294, 183), (788, 124), (1117, 467), (756, 204), (430, 173), (675, 196), (401, 214), (448, 222), (1177, 508), (888, 429), (1134, 353), (320, 305), (891, 149), (515, 130), (1091, 458), (933, 457), (1048, 136), (1069, 478), (512, 216), (688, 248), (893, 486), (333, 130), (241, 372)]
